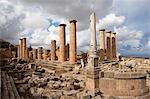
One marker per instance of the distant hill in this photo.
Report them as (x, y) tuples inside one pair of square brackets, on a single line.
[(5, 44)]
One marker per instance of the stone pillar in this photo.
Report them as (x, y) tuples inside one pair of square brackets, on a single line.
[(102, 44), (30, 55), (62, 43), (20, 47), (34, 54), (18, 51), (67, 51), (114, 46), (73, 50), (108, 50), (40, 53), (92, 82), (53, 50), (45, 55), (27, 53), (23, 47), (57, 53)]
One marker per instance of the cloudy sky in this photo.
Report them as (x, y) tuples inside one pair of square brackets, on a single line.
[(39, 20)]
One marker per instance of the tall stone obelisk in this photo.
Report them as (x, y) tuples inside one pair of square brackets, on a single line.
[(93, 43), (92, 83)]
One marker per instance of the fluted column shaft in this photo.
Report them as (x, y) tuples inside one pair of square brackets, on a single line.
[(53, 50), (114, 46), (108, 50), (102, 44), (62, 43), (73, 50), (45, 56), (24, 47), (40, 53), (34, 54)]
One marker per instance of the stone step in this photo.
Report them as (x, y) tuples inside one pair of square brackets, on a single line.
[(9, 90)]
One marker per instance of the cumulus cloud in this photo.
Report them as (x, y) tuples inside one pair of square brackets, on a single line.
[(10, 21), (38, 20), (111, 20)]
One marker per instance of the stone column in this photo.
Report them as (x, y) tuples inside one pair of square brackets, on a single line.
[(30, 55), (53, 50), (27, 53), (45, 55), (62, 43), (67, 51), (40, 53), (34, 54), (18, 51), (114, 46), (73, 50), (108, 50), (20, 47), (23, 47), (102, 44), (92, 82), (57, 53)]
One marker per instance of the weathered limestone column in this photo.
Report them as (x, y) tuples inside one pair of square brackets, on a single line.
[(62, 43), (102, 44), (67, 51), (30, 55), (92, 82), (57, 53), (73, 50), (108, 50), (23, 47), (20, 47), (18, 51), (114, 46), (27, 53), (34, 54), (45, 56), (40, 53), (53, 50)]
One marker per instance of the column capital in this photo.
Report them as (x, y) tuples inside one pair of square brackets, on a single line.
[(101, 29), (114, 33), (24, 38), (73, 21), (108, 32), (62, 24)]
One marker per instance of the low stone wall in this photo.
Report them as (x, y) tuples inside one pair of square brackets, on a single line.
[(123, 84)]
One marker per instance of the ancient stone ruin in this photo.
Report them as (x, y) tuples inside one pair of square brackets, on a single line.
[(61, 73)]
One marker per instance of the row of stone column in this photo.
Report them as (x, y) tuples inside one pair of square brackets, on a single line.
[(22, 51), (72, 49), (110, 48)]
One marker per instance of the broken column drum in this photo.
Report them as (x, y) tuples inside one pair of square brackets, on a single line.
[(73, 50), (62, 57)]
